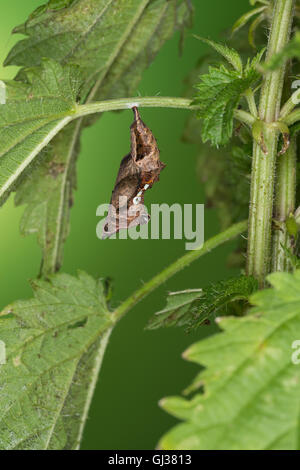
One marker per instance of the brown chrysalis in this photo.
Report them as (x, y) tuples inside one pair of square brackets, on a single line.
[(139, 170)]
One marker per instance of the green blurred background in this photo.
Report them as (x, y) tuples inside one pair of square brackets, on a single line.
[(140, 367)]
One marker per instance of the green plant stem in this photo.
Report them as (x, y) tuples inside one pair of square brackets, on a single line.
[(244, 117), (177, 266), (284, 205), (149, 102), (263, 166), (291, 103), (128, 103), (292, 118)]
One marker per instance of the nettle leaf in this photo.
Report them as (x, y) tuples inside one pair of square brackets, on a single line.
[(178, 311), (110, 40), (251, 381), (218, 95), (231, 55), (192, 308), (54, 347), (52, 5), (47, 192), (113, 43), (36, 109), (290, 51)]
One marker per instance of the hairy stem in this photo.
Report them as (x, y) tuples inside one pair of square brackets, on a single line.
[(128, 103), (263, 165), (149, 102), (178, 265), (284, 205)]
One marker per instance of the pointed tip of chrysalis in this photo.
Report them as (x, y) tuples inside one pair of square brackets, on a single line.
[(136, 113)]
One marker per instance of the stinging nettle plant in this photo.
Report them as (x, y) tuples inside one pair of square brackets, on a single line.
[(245, 121)]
